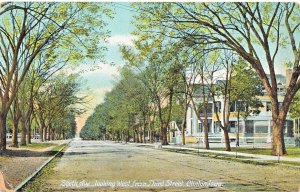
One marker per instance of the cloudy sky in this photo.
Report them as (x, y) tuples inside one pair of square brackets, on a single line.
[(100, 81)]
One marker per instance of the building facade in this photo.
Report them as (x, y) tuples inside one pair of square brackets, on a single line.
[(254, 129)]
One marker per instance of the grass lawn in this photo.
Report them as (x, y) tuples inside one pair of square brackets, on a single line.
[(37, 183), (292, 151), (37, 145)]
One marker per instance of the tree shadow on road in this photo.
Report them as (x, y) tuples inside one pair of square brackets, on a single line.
[(27, 153)]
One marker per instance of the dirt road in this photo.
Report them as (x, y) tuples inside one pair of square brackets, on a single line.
[(108, 166)]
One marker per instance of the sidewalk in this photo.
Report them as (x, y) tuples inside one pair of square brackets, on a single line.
[(16, 164), (232, 153)]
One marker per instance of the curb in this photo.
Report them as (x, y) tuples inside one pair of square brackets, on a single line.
[(30, 177)]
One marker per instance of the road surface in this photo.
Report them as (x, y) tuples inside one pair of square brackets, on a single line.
[(109, 166)]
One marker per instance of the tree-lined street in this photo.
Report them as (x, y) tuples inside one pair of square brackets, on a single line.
[(223, 74)]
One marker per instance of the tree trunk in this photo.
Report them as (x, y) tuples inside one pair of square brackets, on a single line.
[(227, 142), (238, 129), (28, 129), (278, 146), (150, 136), (3, 131), (183, 132), (183, 123), (151, 126), (52, 134), (49, 133), (144, 132), (15, 133), (128, 135), (42, 133), (165, 121), (205, 130), (226, 122), (23, 132), (125, 136), (224, 127), (140, 135), (15, 115), (168, 134), (150, 131), (164, 139), (45, 133), (137, 135), (205, 102), (28, 135)]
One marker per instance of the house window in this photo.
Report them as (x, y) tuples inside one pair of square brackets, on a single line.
[(261, 126), (249, 127), (217, 126), (297, 127), (209, 125), (231, 127), (288, 128), (206, 108)]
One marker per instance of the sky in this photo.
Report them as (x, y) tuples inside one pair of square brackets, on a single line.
[(100, 81)]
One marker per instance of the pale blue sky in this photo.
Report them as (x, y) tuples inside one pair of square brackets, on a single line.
[(121, 28), (100, 81)]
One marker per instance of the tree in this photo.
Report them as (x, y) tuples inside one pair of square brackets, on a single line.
[(198, 88), (221, 88), (245, 86), (56, 100), (192, 66), (29, 29), (255, 31), (145, 74), (142, 91), (160, 80), (123, 108), (95, 125)]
